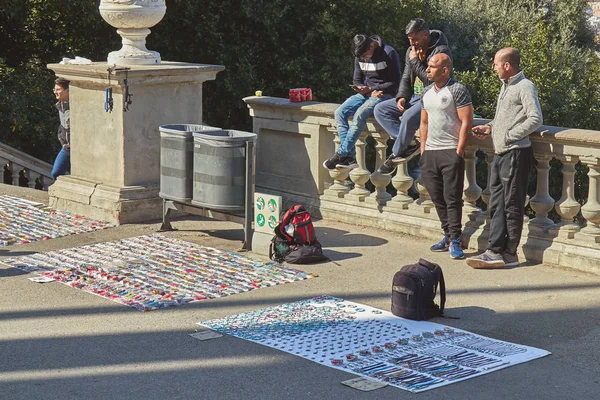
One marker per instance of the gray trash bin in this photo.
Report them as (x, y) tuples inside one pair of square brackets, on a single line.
[(220, 169), (176, 160)]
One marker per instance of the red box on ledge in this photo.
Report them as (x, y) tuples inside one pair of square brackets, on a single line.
[(300, 94)]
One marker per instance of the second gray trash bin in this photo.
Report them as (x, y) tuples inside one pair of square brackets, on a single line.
[(220, 169), (176, 159)]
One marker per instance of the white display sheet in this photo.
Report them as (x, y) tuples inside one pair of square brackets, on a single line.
[(412, 355)]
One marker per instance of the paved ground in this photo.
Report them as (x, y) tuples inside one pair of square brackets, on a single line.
[(61, 343)]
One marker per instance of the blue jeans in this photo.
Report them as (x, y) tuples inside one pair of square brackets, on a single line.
[(362, 107), (62, 164), (403, 131)]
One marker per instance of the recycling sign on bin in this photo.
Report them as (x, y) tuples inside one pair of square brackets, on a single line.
[(267, 209)]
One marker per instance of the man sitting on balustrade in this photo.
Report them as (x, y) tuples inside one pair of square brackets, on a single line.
[(424, 44), (376, 76), (518, 114), (446, 120)]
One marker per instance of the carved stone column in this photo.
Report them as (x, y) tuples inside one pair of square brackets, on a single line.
[(485, 194), (380, 196), (402, 181), (339, 176), (472, 191), (542, 203), (591, 209), (360, 176), (567, 207), (15, 168), (424, 201)]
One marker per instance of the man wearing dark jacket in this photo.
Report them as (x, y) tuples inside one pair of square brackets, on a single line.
[(424, 44), (376, 76)]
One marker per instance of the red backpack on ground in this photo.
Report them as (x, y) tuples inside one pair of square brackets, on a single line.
[(295, 241), (295, 226)]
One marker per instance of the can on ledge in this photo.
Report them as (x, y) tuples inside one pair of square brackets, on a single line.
[(300, 94)]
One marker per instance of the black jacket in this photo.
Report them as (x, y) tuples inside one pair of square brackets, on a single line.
[(414, 68)]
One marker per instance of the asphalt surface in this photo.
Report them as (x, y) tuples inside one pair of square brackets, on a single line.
[(57, 342)]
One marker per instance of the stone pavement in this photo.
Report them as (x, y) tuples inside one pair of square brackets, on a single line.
[(61, 343)]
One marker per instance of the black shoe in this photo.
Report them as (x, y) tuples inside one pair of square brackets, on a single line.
[(347, 162), (333, 161), (388, 166), (410, 150)]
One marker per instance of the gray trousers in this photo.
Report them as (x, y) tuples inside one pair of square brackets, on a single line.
[(508, 192), (443, 174)]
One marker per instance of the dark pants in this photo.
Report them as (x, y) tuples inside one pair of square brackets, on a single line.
[(443, 174), (508, 191)]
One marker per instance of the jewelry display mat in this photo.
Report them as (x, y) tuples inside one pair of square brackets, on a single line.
[(154, 271), (411, 355), (23, 221)]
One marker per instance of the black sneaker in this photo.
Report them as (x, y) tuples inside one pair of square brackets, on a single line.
[(388, 166), (333, 161), (411, 150), (347, 162)]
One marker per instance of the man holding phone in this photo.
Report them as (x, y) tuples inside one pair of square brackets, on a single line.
[(518, 114), (376, 77)]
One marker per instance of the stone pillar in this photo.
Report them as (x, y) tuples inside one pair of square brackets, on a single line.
[(360, 175), (472, 191), (380, 196), (424, 201), (542, 203), (486, 193), (339, 175), (402, 181), (115, 156), (567, 207), (591, 209)]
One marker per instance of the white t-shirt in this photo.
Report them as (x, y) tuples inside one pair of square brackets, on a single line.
[(441, 106)]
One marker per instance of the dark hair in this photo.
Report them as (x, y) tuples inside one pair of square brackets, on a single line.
[(361, 45), (416, 25), (62, 82)]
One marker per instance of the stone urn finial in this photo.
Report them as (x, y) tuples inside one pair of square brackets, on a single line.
[(132, 18)]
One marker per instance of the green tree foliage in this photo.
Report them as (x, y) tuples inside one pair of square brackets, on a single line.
[(557, 53), (274, 45), (269, 45)]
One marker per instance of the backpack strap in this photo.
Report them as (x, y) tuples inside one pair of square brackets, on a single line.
[(442, 292)]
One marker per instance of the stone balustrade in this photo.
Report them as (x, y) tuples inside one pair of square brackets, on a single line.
[(24, 168), (295, 138)]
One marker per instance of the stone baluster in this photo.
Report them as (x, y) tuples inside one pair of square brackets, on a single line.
[(380, 196), (485, 194), (360, 176), (339, 175), (46, 181), (31, 176), (472, 191), (4, 163), (402, 181), (591, 209), (567, 207), (424, 200), (15, 168), (542, 203)]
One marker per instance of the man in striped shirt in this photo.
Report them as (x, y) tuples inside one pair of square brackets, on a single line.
[(376, 77)]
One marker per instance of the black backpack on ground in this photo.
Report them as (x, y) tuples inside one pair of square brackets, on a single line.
[(295, 240), (414, 289)]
